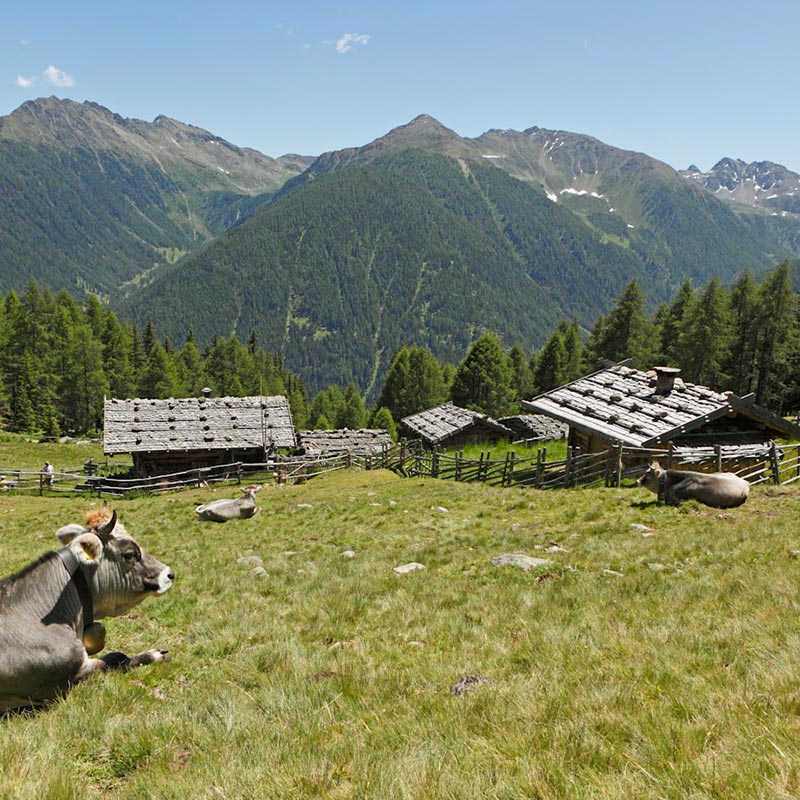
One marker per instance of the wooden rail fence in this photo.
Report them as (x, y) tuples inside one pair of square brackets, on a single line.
[(608, 468)]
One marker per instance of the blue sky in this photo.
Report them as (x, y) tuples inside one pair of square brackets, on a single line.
[(682, 81)]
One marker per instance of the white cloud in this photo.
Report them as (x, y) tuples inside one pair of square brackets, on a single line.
[(51, 75), (349, 40), (57, 77)]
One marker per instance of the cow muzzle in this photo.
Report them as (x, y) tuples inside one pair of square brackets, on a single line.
[(162, 583)]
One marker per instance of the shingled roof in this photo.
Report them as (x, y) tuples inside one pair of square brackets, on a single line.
[(621, 404), (362, 442), (535, 427), (440, 423), (197, 423)]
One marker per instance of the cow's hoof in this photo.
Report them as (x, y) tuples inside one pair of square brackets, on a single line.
[(153, 657)]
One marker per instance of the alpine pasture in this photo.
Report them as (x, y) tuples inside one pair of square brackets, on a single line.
[(656, 656)]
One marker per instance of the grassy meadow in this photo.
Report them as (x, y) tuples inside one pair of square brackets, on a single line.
[(657, 662)]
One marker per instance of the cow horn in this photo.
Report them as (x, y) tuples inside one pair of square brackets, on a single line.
[(104, 531)]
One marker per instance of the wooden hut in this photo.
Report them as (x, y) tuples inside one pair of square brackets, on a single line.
[(655, 409), (364, 442), (535, 427), (178, 434), (450, 426)]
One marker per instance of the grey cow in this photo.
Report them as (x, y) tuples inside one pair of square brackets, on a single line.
[(48, 610), (716, 489), (223, 510)]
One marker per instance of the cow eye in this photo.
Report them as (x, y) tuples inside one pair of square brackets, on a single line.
[(129, 555)]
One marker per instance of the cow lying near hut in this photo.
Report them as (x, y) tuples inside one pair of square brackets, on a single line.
[(222, 510), (47, 610), (716, 489)]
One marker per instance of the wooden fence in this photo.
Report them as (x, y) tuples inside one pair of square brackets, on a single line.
[(608, 468)]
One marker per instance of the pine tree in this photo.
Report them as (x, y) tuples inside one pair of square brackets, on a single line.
[(394, 394), (191, 372), (484, 380), (624, 333), (117, 343), (159, 376), (425, 385), (669, 320), (573, 366), (329, 403), (777, 306), (741, 363), (523, 379), (382, 420), (705, 337), (354, 415), (84, 384), (552, 364)]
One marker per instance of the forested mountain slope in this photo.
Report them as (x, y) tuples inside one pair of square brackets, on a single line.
[(413, 248), (90, 200)]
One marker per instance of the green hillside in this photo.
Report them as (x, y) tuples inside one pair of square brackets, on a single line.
[(414, 248), (90, 201)]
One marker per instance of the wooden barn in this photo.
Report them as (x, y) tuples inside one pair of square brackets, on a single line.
[(166, 436), (364, 442), (449, 426), (657, 409)]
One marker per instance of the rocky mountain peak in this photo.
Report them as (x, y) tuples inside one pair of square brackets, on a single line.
[(760, 184)]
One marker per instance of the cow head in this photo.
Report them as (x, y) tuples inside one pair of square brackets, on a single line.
[(125, 573), (651, 477)]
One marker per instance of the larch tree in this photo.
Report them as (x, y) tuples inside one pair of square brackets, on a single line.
[(705, 337), (484, 381)]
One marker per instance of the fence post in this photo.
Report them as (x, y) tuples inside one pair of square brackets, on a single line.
[(718, 457), (568, 468), (773, 460), (435, 462), (508, 468), (459, 455), (540, 456)]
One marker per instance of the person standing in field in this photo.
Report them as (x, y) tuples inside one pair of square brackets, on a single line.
[(47, 473)]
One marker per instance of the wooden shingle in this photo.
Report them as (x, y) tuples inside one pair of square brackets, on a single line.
[(197, 423)]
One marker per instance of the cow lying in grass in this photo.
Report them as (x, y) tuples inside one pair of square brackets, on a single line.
[(716, 489), (48, 610), (223, 510)]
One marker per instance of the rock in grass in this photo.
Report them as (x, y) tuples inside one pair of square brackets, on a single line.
[(405, 568), (521, 561), (466, 683), (249, 560), (348, 554), (259, 572)]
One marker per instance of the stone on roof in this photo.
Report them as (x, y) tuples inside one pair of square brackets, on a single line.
[(536, 427), (634, 407), (367, 441), (443, 421), (197, 423)]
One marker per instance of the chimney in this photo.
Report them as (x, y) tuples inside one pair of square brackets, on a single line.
[(206, 392), (665, 379)]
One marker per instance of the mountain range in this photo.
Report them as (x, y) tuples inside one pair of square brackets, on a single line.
[(421, 237)]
